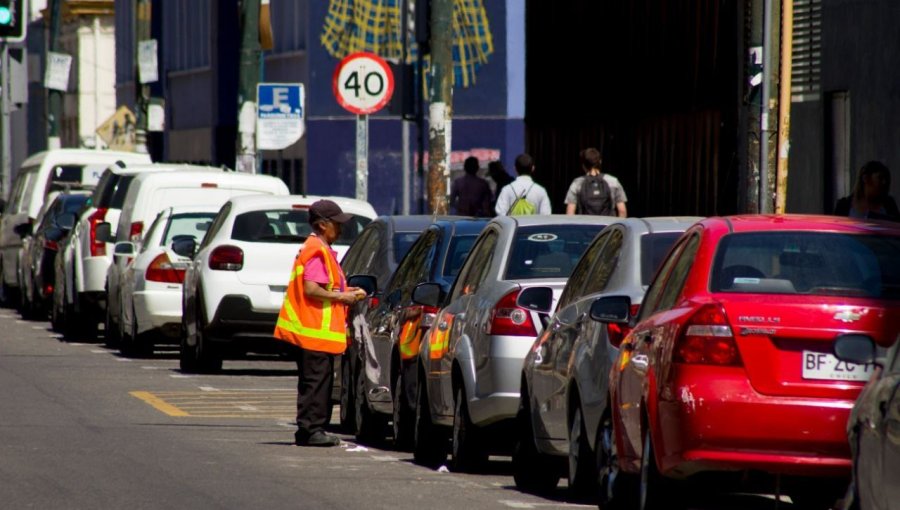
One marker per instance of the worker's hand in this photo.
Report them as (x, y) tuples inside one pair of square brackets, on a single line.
[(350, 297)]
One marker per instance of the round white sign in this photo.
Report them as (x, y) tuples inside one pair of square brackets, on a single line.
[(363, 83)]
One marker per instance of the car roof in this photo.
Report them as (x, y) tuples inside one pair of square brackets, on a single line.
[(664, 223), (818, 223), (553, 219), (463, 225), (181, 209), (411, 222), (259, 202), (83, 156)]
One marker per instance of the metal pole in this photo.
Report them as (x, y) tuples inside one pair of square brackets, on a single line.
[(249, 71), (765, 198), (6, 163), (142, 91), (54, 97), (362, 157), (784, 104), (405, 163), (441, 108)]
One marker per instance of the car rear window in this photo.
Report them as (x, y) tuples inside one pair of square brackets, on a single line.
[(403, 241), (654, 248), (459, 248), (287, 226), (190, 224), (821, 264), (548, 251), (64, 177), (112, 190)]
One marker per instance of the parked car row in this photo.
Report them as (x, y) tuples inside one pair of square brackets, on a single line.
[(657, 352)]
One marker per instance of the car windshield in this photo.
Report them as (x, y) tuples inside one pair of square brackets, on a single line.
[(654, 248), (287, 226), (456, 254), (821, 264), (403, 241), (187, 224), (548, 251)]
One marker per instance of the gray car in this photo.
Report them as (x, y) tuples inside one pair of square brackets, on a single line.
[(564, 383), (471, 363)]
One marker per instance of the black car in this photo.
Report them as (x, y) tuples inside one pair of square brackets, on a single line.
[(39, 253), (386, 335), (874, 425), (377, 251)]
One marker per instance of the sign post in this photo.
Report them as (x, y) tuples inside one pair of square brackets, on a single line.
[(363, 84)]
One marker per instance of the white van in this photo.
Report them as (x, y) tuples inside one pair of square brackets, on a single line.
[(150, 193), (40, 174)]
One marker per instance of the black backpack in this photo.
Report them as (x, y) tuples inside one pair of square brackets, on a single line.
[(596, 197)]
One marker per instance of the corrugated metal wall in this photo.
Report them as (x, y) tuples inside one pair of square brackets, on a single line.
[(652, 84)]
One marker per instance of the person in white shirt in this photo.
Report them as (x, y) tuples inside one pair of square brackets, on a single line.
[(525, 186)]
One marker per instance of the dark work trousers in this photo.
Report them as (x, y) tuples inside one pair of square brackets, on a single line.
[(313, 392)]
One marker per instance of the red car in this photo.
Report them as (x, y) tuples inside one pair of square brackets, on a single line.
[(729, 367)]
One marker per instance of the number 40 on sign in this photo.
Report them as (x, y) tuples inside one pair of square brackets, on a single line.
[(363, 83)]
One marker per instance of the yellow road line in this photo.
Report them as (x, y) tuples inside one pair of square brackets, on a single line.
[(159, 403)]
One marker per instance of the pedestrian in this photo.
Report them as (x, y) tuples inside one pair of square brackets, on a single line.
[(470, 195), (500, 177), (595, 192), (870, 198), (313, 319), (523, 195)]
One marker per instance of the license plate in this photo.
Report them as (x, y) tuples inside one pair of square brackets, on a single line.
[(825, 367)]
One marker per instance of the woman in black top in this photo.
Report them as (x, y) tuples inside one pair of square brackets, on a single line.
[(870, 197)]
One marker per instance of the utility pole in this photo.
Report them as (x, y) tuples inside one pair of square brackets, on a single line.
[(765, 194), (55, 96), (784, 104), (6, 158), (440, 110), (248, 79), (142, 90)]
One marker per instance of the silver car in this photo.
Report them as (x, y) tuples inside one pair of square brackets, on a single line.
[(471, 365), (564, 381)]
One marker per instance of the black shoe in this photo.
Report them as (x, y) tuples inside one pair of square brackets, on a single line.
[(319, 439)]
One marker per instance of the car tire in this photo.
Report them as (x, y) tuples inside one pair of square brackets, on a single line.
[(533, 471), (348, 392), (467, 454), (110, 328), (815, 494), (655, 492), (582, 461), (55, 317), (135, 345), (9, 296), (429, 440), (615, 489), (187, 357), (404, 417), (370, 426)]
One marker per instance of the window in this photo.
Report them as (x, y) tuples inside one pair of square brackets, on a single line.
[(459, 249), (403, 241), (812, 263), (23, 182), (680, 272), (654, 248), (477, 263), (548, 251), (652, 297), (152, 230), (274, 226), (351, 258), (582, 271), (607, 261), (216, 225), (414, 267), (186, 224)]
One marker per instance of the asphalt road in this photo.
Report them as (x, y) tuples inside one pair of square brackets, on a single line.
[(83, 428)]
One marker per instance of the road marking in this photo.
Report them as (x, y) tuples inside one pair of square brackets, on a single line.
[(207, 388), (99, 351), (181, 376), (39, 328), (274, 403), (158, 403), (530, 504)]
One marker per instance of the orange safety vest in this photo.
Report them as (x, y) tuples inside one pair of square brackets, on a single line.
[(313, 324), (410, 338)]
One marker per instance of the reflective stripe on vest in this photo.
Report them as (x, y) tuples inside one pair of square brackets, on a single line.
[(410, 338), (313, 324)]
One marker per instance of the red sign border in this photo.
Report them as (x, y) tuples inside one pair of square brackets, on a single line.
[(387, 71)]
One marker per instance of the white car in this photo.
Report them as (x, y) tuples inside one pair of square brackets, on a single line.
[(81, 289), (235, 284), (150, 193), (151, 285)]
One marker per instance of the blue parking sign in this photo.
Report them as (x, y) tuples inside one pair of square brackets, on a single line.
[(279, 115)]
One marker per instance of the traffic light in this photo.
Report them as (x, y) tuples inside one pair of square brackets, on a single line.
[(12, 20)]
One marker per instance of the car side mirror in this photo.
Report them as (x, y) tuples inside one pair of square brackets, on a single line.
[(612, 309), (66, 221), (857, 349), (364, 281), (124, 249), (427, 294), (23, 229), (184, 245), (539, 299), (103, 232)]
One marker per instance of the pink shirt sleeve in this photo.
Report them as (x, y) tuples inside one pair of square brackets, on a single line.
[(314, 271)]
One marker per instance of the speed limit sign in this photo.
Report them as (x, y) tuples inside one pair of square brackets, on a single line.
[(363, 83)]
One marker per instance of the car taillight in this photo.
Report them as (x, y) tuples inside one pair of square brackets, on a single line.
[(707, 339), (98, 248), (51, 245), (615, 333), (511, 320), (374, 302), (47, 290), (226, 258), (134, 233), (162, 270)]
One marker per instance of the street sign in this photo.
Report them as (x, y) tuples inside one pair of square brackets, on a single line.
[(363, 83), (279, 115), (57, 75), (148, 68)]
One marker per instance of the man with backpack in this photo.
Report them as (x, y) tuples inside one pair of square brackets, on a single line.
[(595, 192), (523, 196)]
